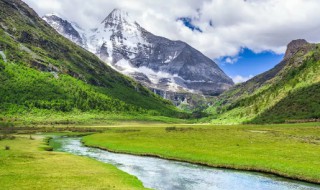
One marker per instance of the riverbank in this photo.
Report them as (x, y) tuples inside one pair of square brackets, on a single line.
[(289, 150), (171, 175), (26, 165)]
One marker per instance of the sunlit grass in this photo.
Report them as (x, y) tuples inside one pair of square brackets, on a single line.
[(288, 150), (26, 166)]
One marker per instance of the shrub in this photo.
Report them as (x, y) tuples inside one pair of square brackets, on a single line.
[(8, 137), (48, 148), (31, 138), (168, 129)]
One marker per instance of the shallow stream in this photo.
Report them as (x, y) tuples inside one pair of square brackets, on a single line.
[(163, 174)]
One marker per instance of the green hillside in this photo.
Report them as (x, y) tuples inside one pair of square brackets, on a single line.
[(41, 71), (303, 104), (290, 91)]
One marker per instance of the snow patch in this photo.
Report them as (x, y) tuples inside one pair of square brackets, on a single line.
[(55, 75), (170, 57), (3, 56), (156, 78), (52, 14), (26, 49)]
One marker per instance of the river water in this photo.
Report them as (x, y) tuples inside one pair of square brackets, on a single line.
[(171, 175)]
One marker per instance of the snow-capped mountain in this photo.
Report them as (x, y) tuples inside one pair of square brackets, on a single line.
[(157, 62), (70, 30)]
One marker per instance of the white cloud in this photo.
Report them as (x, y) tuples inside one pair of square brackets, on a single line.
[(239, 79), (231, 60), (256, 24)]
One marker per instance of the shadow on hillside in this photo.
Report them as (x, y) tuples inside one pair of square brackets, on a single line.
[(303, 105)]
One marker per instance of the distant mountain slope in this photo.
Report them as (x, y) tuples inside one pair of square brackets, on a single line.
[(276, 94), (72, 30), (303, 105), (156, 62), (40, 69)]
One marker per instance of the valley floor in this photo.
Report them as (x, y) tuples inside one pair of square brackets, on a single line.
[(289, 150), (27, 166)]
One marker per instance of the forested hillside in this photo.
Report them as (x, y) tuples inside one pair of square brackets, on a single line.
[(42, 70)]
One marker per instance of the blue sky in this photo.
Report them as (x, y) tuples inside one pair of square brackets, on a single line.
[(188, 23), (245, 65), (248, 64)]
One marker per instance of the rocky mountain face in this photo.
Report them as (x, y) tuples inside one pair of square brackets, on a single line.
[(163, 65), (70, 30), (293, 47), (289, 91)]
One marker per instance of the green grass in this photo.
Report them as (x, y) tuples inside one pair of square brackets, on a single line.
[(287, 92), (78, 118), (27, 166), (287, 150), (300, 105)]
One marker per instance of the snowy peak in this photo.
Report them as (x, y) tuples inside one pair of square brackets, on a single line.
[(118, 18), (53, 19), (117, 14), (117, 37), (70, 30)]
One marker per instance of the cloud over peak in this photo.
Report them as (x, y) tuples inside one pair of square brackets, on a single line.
[(220, 28)]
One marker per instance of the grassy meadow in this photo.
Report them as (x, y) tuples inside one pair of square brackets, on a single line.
[(26, 165), (289, 150)]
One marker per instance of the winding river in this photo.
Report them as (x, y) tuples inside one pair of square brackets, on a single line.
[(163, 174)]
